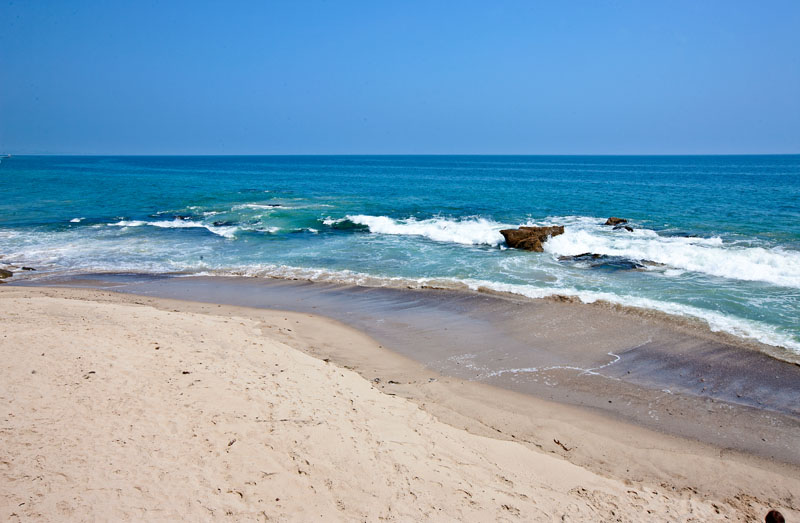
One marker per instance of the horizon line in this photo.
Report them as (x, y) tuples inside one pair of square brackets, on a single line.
[(211, 155)]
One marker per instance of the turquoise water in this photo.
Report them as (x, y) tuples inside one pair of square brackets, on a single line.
[(718, 237)]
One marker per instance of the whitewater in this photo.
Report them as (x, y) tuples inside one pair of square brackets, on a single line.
[(583, 235), (715, 239)]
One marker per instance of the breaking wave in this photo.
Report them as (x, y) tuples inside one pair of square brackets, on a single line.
[(716, 322), (711, 256), (224, 231), (466, 231)]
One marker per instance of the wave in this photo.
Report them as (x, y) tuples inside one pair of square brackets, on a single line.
[(538, 275), (711, 256), (277, 206), (343, 224), (224, 231), (717, 322), (77, 220), (258, 206), (94, 258), (466, 231)]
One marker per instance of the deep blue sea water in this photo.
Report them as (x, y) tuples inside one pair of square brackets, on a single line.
[(719, 237)]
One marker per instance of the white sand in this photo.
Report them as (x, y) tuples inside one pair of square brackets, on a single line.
[(110, 410)]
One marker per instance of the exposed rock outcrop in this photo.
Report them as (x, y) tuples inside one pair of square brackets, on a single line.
[(530, 238), (5, 274), (615, 221)]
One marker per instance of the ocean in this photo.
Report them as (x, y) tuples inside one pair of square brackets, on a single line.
[(716, 238)]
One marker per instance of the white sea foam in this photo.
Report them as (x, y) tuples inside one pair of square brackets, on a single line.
[(533, 370), (467, 231), (710, 256), (717, 322), (257, 206), (77, 220), (224, 231), (318, 274), (85, 253), (128, 223), (276, 206)]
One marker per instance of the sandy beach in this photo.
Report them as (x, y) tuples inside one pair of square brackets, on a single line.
[(400, 262), (119, 407)]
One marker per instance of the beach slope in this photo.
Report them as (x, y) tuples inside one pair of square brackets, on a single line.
[(117, 410)]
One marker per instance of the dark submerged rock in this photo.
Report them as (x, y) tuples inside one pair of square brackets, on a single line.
[(223, 223), (28, 269), (615, 221), (625, 227), (677, 234), (619, 264), (582, 257), (347, 225), (530, 238), (605, 262)]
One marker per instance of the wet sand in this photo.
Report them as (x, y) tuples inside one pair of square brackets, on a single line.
[(672, 376)]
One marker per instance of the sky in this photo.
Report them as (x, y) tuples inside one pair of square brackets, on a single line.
[(400, 77)]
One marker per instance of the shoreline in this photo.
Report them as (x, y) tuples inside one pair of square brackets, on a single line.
[(637, 369), (699, 322), (682, 473)]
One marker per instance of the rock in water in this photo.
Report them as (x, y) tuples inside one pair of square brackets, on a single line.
[(615, 221), (625, 227), (530, 238), (581, 257), (5, 274), (606, 262), (618, 264)]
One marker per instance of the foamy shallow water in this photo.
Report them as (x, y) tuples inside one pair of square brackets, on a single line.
[(718, 237)]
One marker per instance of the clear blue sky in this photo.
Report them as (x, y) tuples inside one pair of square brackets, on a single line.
[(427, 77)]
